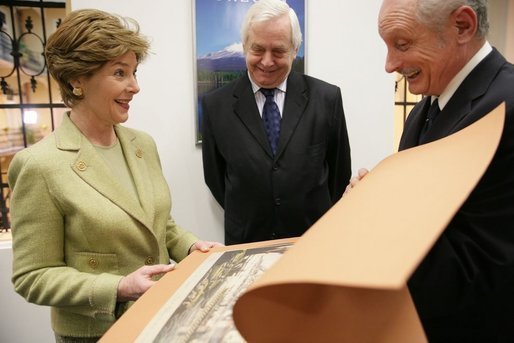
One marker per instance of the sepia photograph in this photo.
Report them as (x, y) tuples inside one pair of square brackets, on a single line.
[(201, 309)]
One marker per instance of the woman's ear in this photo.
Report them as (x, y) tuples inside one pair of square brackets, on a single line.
[(75, 83)]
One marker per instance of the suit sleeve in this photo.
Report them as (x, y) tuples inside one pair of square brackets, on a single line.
[(214, 166), (178, 240), (466, 265), (338, 155)]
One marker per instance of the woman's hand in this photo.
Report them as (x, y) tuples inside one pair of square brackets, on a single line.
[(204, 246), (355, 180), (134, 285)]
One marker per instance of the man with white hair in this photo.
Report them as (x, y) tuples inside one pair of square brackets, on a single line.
[(275, 146), (464, 288)]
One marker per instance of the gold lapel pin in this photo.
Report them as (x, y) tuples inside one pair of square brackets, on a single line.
[(139, 153)]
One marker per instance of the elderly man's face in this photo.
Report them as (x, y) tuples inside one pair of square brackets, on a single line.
[(426, 58), (269, 52)]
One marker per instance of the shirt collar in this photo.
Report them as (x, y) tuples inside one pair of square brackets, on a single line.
[(462, 74), (255, 87)]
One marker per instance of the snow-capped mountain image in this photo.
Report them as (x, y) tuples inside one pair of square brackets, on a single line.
[(230, 58)]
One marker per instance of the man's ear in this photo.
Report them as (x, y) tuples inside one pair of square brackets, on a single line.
[(466, 23), (295, 53)]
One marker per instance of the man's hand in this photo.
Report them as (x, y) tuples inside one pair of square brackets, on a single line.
[(204, 246), (355, 180)]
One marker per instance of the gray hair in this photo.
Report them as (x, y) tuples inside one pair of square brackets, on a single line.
[(264, 10), (433, 13)]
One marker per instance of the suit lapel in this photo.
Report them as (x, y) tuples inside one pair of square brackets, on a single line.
[(91, 168), (246, 109), (135, 157), (294, 106)]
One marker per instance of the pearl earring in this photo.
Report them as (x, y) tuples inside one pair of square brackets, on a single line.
[(77, 91)]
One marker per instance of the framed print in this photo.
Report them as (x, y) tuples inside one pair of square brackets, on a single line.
[(218, 50)]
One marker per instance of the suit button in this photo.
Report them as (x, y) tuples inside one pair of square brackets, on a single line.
[(277, 201), (275, 167), (149, 261), (273, 235), (93, 263), (81, 165)]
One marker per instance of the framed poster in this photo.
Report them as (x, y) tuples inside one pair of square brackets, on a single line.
[(218, 50)]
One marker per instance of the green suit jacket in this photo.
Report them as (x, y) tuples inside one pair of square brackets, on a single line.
[(77, 231)]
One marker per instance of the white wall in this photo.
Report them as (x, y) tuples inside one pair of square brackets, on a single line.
[(509, 38), (343, 48), (20, 322), (498, 16)]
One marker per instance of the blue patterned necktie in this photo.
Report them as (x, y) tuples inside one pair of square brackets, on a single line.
[(271, 117)]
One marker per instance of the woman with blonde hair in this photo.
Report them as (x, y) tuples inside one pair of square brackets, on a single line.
[(90, 206)]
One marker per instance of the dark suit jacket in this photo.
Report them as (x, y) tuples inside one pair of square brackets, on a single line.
[(464, 288), (265, 196)]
